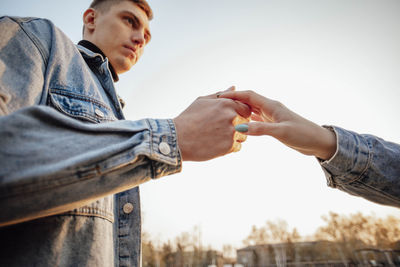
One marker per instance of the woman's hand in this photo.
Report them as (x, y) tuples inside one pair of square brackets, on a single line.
[(272, 118)]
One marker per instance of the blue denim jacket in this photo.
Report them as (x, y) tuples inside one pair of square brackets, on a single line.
[(70, 165), (365, 165)]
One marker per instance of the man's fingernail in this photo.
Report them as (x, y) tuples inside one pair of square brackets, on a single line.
[(242, 128)]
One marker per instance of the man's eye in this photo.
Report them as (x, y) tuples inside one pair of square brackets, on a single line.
[(129, 20)]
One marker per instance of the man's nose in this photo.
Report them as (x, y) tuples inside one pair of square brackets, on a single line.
[(138, 38)]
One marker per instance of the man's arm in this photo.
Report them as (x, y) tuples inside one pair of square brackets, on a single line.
[(51, 163), (362, 165)]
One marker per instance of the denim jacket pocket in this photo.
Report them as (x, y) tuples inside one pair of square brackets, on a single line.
[(102, 208), (80, 107)]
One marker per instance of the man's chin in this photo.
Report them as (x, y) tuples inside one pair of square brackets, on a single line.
[(122, 64), (123, 68)]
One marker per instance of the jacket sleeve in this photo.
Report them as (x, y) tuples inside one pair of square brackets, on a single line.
[(366, 166), (51, 163)]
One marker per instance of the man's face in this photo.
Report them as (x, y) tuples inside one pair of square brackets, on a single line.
[(121, 32)]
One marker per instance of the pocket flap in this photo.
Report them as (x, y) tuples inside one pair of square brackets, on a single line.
[(81, 106)]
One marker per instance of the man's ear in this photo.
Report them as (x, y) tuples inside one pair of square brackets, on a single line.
[(89, 18)]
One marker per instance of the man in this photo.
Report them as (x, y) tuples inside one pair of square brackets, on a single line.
[(70, 165)]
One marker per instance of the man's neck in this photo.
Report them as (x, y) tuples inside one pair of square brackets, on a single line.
[(92, 47)]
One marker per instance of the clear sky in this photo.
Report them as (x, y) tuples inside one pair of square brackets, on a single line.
[(334, 62)]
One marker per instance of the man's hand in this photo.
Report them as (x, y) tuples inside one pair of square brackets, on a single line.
[(206, 128), (274, 119)]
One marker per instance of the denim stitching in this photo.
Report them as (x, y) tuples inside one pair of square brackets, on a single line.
[(61, 91), (77, 113), (91, 211), (362, 174), (389, 197), (33, 39), (86, 215)]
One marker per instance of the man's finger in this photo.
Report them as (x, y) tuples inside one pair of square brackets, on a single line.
[(239, 137), (239, 120), (236, 147), (216, 95), (242, 109)]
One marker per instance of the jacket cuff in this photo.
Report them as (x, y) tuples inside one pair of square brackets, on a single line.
[(350, 160), (164, 151)]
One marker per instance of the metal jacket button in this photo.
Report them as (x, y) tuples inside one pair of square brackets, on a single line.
[(127, 208), (99, 112), (164, 148)]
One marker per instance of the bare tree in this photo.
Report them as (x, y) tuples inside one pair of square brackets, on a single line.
[(357, 231)]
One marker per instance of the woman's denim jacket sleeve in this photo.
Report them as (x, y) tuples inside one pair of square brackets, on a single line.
[(63, 143), (365, 165)]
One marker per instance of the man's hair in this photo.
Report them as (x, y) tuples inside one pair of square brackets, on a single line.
[(103, 5)]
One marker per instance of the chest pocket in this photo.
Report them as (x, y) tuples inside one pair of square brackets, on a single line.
[(81, 107)]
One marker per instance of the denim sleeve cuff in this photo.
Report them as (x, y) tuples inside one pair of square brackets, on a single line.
[(350, 160), (164, 149)]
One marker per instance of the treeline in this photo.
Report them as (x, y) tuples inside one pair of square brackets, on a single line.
[(353, 230), (342, 236), (347, 232), (185, 250)]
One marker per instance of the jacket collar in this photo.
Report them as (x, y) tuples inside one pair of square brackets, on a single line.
[(90, 50)]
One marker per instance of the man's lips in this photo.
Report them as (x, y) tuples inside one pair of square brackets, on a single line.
[(131, 49)]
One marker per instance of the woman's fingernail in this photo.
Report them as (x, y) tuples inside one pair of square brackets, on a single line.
[(242, 128)]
